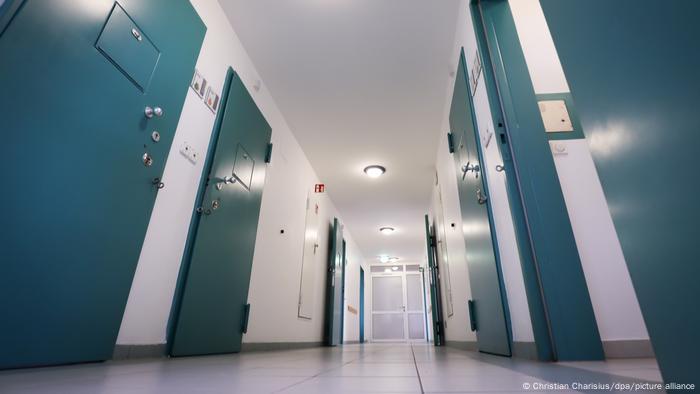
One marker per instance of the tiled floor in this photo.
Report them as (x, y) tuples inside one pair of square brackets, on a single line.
[(385, 368)]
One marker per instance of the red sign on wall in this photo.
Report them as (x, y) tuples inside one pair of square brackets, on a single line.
[(320, 188)]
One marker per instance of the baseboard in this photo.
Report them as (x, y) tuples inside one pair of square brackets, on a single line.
[(268, 346), (635, 348), (127, 352), (351, 342), (463, 345), (526, 350)]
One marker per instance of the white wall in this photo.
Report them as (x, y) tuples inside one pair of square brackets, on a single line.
[(457, 326), (613, 298), (274, 287)]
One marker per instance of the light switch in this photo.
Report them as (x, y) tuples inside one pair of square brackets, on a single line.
[(189, 152), (555, 116)]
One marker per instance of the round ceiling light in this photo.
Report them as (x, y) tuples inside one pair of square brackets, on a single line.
[(387, 230), (374, 171), (387, 259), (394, 268)]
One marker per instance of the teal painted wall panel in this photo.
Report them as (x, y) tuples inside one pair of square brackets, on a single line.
[(77, 193), (572, 325), (634, 76)]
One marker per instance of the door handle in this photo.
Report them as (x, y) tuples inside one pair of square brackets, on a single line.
[(481, 198), (475, 168), (158, 183), (227, 180)]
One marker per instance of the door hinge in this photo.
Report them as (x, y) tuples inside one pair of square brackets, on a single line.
[(268, 154), (472, 315), (450, 142), (246, 317)]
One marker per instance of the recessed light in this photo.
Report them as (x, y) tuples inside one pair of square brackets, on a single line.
[(374, 171), (394, 268), (386, 230)]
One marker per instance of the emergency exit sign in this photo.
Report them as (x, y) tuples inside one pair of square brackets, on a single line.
[(320, 188)]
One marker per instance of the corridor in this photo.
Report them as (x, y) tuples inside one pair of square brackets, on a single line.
[(370, 368), (349, 196)]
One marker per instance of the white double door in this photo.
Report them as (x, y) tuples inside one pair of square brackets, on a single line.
[(397, 307)]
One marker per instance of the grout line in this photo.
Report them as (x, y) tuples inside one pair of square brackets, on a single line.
[(328, 370), (420, 382)]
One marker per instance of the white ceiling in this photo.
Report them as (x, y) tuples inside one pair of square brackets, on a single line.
[(360, 82)]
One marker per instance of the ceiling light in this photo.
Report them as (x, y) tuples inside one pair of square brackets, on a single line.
[(387, 259), (386, 230), (394, 268), (374, 171)]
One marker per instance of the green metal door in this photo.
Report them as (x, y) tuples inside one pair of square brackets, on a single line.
[(435, 300), (82, 162), (486, 309), (633, 74), (334, 285), (212, 312)]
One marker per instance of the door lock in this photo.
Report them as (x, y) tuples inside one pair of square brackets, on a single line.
[(481, 198), (136, 34), (158, 183), (147, 159), (151, 112), (204, 211)]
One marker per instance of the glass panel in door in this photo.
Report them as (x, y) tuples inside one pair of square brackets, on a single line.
[(387, 308)]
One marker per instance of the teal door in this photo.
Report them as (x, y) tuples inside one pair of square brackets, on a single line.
[(435, 300), (212, 309), (633, 74), (486, 308), (82, 163), (334, 287), (362, 305)]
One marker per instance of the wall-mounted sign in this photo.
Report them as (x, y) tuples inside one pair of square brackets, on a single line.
[(212, 100), (320, 188), (199, 84)]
